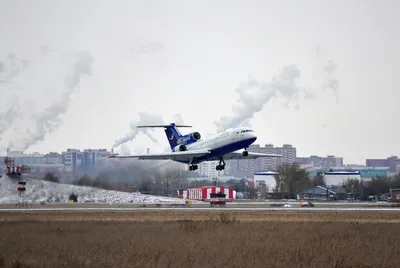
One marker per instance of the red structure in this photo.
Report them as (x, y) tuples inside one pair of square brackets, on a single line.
[(395, 195), (205, 192), (13, 170), (218, 200), (21, 195)]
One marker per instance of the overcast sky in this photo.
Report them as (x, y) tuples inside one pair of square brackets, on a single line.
[(189, 58)]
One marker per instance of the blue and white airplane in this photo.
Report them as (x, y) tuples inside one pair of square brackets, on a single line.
[(191, 149)]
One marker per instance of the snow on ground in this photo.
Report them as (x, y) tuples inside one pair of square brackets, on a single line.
[(38, 191)]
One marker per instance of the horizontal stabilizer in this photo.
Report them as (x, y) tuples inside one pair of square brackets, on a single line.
[(251, 155), (143, 126)]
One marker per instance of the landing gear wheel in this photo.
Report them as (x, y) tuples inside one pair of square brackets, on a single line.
[(245, 153), (221, 165), (193, 167)]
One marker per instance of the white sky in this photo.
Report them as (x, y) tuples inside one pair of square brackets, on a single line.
[(198, 52)]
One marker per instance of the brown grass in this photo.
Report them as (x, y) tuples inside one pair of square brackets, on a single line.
[(199, 239)]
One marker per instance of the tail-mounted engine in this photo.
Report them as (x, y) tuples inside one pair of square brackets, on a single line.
[(189, 138), (180, 148), (196, 135)]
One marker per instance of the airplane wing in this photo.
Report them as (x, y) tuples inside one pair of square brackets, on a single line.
[(251, 155), (176, 156)]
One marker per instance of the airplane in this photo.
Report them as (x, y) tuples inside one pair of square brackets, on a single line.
[(191, 149)]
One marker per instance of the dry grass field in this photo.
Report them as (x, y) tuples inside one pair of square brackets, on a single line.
[(199, 239)]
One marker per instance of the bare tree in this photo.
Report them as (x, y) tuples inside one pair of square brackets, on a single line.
[(291, 179), (262, 191)]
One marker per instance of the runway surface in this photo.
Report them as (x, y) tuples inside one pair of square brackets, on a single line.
[(198, 209)]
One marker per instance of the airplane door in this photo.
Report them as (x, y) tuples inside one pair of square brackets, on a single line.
[(233, 135)]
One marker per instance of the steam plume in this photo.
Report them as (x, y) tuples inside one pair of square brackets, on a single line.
[(44, 50), (7, 118), (150, 47), (328, 67), (49, 120), (12, 67), (253, 95), (2, 67), (177, 118), (144, 119)]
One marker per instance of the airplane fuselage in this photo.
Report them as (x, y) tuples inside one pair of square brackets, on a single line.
[(192, 149), (220, 144)]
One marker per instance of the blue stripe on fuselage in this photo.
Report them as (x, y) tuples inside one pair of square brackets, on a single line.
[(218, 152)]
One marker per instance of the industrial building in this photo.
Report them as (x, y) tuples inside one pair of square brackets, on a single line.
[(70, 160), (337, 178), (265, 178), (34, 158)]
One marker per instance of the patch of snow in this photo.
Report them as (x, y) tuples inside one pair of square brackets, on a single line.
[(44, 191)]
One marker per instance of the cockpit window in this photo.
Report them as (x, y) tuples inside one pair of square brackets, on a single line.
[(248, 130)]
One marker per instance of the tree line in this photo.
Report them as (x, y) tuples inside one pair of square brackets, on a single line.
[(292, 179)]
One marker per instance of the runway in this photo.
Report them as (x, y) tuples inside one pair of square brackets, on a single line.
[(200, 209)]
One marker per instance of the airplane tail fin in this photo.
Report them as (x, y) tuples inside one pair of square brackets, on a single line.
[(171, 131)]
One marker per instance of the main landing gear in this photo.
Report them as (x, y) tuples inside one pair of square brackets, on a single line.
[(221, 165), (193, 167)]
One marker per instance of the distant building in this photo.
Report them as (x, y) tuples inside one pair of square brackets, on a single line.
[(35, 158), (393, 163), (208, 169), (86, 160), (323, 163), (262, 164)]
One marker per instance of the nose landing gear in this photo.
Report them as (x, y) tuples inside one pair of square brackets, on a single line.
[(245, 152)]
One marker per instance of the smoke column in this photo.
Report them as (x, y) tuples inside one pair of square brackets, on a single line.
[(253, 95), (328, 68), (145, 119), (150, 47), (12, 67), (49, 120)]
